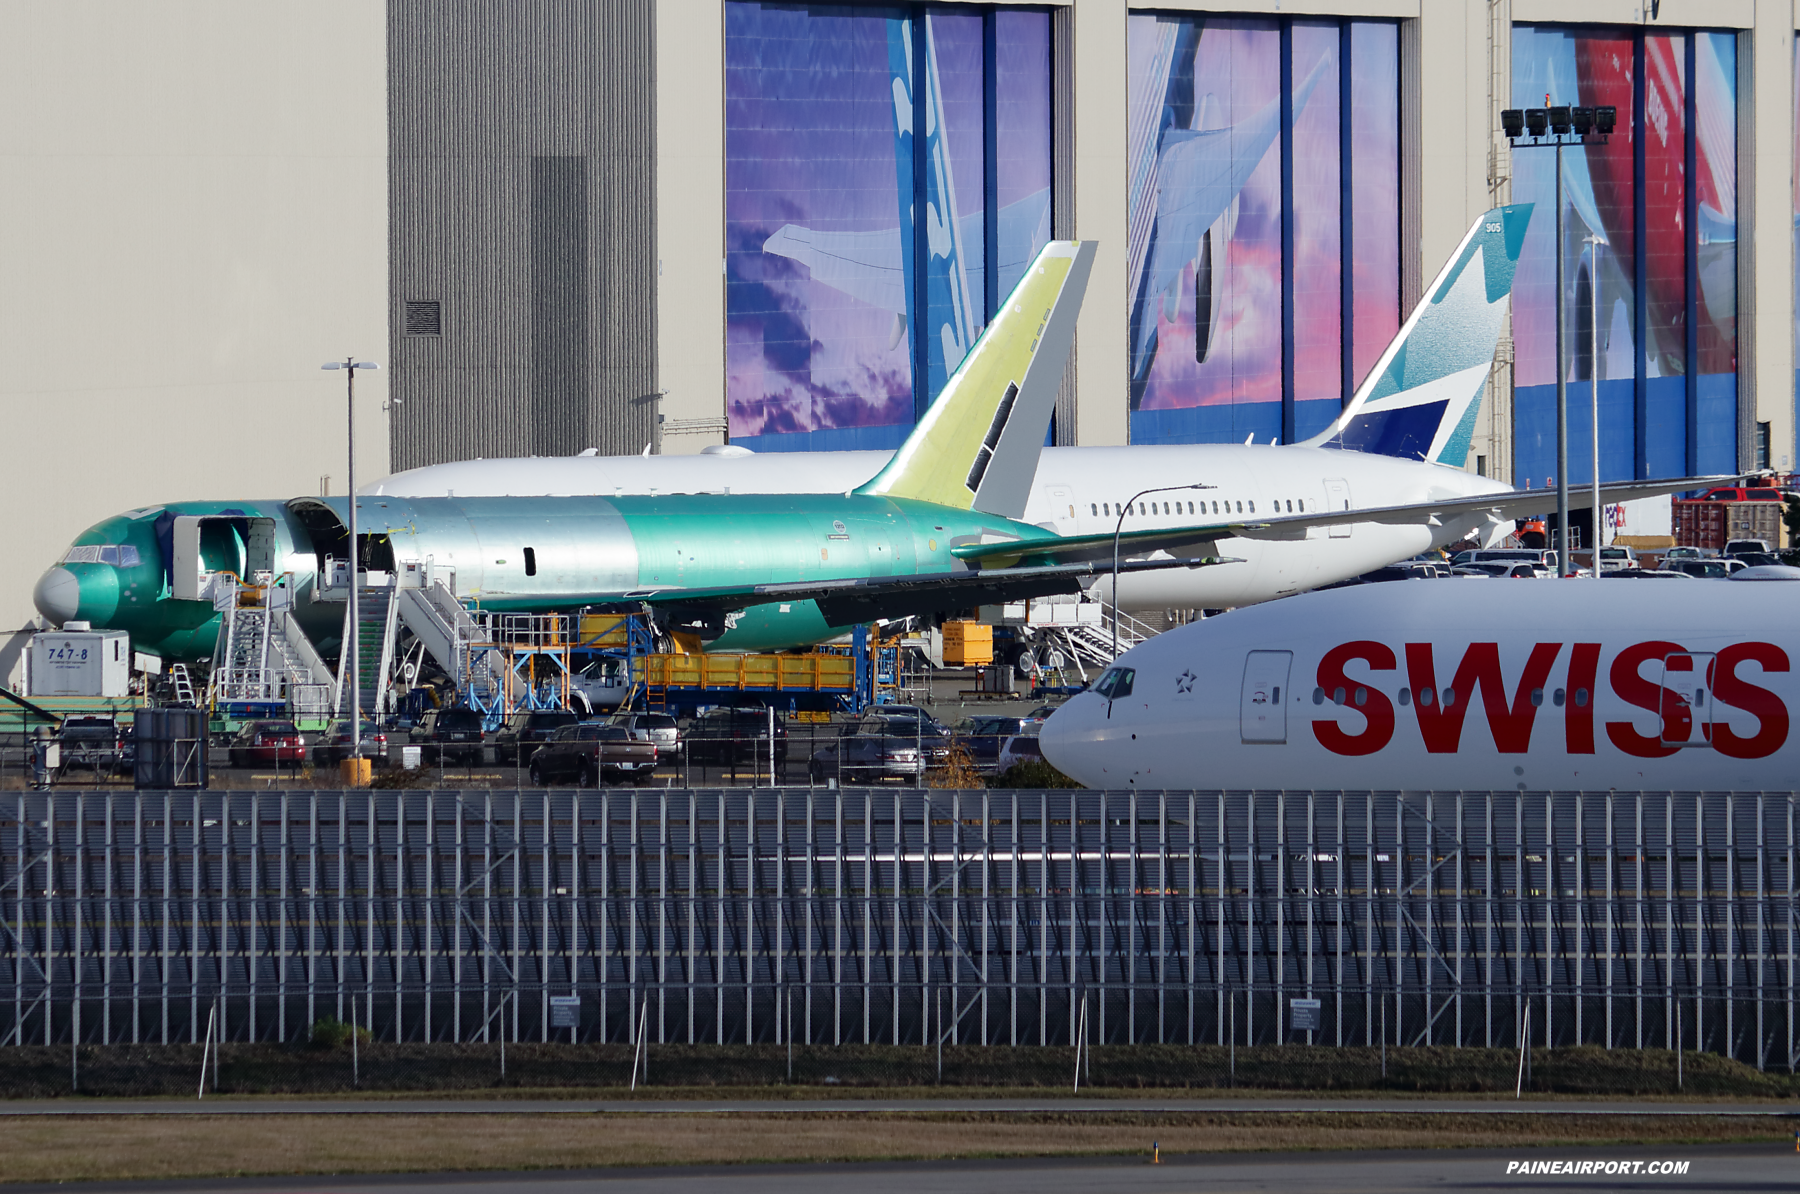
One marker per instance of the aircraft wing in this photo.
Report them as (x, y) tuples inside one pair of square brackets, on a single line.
[(1498, 507), (848, 601)]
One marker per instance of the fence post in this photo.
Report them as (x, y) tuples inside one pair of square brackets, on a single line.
[(1383, 1002), (1231, 1004), (1678, 1019), (938, 1016), (790, 1018), (355, 1051)]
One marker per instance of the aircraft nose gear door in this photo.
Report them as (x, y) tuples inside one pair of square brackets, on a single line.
[(1337, 497), (1687, 701), (1262, 710)]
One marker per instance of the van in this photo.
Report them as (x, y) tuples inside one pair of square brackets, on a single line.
[(1544, 557)]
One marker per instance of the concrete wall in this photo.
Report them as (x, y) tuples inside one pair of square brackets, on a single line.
[(193, 216)]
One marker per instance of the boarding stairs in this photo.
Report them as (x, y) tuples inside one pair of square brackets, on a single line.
[(1089, 641), (377, 613), (462, 645), (262, 655), (181, 682)]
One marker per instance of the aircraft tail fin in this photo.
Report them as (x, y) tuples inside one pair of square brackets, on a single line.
[(977, 446), (1421, 399)]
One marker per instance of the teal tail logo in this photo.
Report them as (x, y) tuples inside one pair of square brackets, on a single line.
[(1420, 400)]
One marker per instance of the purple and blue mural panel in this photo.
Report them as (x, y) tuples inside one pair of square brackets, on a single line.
[(1205, 258), (834, 338), (1662, 351)]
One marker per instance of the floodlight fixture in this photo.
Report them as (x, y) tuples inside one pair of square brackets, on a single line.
[(1581, 119), (1535, 121), (1559, 120), (1512, 123), (1606, 116)]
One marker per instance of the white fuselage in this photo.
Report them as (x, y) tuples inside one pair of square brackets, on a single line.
[(1447, 684), (1075, 493)]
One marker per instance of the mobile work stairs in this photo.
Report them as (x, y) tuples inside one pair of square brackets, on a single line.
[(263, 657)]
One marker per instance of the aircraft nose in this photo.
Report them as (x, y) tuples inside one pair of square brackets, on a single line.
[(57, 595), (1065, 744)]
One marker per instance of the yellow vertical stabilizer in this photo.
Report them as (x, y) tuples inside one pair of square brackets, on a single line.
[(977, 447)]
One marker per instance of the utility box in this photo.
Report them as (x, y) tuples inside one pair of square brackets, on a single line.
[(83, 663), (968, 644)]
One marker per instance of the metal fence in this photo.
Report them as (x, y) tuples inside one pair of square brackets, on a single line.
[(903, 917)]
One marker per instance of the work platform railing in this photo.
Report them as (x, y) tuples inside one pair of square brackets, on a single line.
[(1621, 920)]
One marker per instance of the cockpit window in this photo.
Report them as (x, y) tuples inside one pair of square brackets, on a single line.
[(1116, 683), (120, 555)]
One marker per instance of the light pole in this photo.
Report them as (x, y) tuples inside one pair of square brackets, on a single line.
[(1594, 358), (1118, 530), (1559, 122), (352, 644)]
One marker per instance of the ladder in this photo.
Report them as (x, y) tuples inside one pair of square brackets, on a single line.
[(1090, 644), (181, 681), (263, 655)]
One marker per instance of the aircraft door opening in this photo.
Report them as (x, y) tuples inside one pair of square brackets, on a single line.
[(1262, 709), (1686, 703), (1337, 497)]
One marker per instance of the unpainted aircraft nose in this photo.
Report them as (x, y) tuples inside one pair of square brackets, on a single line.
[(57, 595)]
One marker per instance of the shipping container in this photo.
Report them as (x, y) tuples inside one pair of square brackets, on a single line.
[(968, 644), (1703, 523)]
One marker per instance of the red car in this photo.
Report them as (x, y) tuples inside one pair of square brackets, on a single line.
[(267, 742)]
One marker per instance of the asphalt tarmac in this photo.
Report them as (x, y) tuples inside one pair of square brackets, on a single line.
[(1707, 1168)]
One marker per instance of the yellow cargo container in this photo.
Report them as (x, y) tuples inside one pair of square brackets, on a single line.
[(968, 644), (777, 673)]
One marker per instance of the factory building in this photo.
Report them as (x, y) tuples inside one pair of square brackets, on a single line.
[(629, 225)]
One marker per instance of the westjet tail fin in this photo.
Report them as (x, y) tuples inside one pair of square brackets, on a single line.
[(977, 447), (1420, 400)]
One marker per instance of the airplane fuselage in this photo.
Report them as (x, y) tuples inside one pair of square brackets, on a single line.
[(1502, 684), (1076, 491)]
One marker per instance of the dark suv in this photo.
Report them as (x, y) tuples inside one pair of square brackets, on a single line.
[(736, 736), (450, 735), (524, 732)]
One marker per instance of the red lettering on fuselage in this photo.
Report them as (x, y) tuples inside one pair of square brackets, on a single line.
[(1579, 699), (1510, 717), (1765, 706), (1373, 704), (1633, 689), (1441, 717)]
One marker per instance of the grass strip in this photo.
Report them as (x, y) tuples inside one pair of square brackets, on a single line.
[(80, 1148)]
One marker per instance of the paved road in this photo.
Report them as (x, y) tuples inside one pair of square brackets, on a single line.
[(1722, 1168), (227, 1105)]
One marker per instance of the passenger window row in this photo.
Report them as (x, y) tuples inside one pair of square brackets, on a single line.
[(1222, 506)]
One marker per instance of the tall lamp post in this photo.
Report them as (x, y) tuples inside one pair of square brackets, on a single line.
[(352, 646), (1118, 530), (1565, 126), (1594, 358)]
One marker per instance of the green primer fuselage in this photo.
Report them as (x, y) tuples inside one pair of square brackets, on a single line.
[(543, 554)]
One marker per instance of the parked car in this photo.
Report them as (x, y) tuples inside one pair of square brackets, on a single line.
[(267, 742), (867, 758), (1542, 557), (333, 745), (1705, 569), (525, 731), (1614, 558), (735, 735), (1689, 553), (1746, 547), (1022, 747), (1757, 559), (1743, 493), (1644, 574), (451, 735), (922, 733), (913, 711), (984, 736), (1499, 571), (657, 728), (591, 751)]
